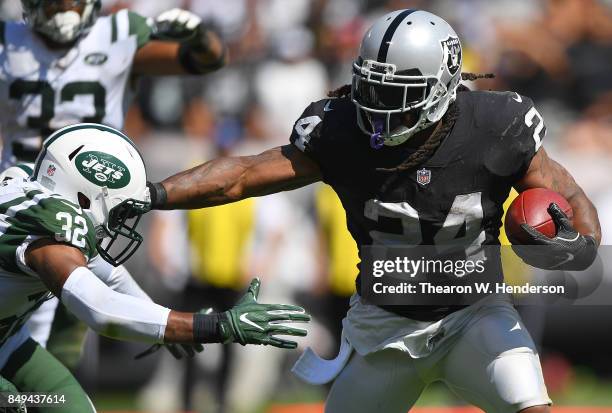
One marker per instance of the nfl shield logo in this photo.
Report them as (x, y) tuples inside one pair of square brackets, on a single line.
[(51, 170), (423, 176)]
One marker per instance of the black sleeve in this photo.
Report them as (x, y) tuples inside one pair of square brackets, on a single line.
[(307, 133), (518, 130)]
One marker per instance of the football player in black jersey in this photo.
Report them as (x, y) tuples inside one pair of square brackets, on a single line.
[(417, 159)]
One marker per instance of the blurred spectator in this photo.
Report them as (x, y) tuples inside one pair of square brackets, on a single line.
[(286, 85), (10, 10)]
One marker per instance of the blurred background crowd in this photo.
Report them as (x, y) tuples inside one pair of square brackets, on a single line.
[(283, 55)]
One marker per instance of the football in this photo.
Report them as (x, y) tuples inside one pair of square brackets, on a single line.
[(531, 207)]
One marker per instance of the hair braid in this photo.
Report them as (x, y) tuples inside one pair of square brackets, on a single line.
[(342, 91), (475, 76), (425, 151)]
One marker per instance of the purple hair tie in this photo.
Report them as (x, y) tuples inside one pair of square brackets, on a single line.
[(376, 139)]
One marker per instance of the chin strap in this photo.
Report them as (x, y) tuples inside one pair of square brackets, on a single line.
[(376, 139)]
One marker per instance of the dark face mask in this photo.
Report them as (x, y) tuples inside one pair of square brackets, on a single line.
[(386, 97), (121, 238)]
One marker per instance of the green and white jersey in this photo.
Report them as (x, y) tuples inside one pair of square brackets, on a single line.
[(42, 90), (29, 212)]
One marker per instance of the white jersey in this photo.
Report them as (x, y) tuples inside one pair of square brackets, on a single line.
[(43, 90)]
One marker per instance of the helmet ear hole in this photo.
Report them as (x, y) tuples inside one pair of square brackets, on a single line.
[(84, 201)]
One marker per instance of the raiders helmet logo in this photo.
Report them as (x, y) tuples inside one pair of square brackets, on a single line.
[(451, 47)]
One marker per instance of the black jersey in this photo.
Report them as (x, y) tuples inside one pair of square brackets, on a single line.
[(455, 197)]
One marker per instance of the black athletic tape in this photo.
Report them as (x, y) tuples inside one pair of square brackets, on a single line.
[(206, 328)]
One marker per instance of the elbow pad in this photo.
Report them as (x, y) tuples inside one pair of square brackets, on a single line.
[(113, 314)]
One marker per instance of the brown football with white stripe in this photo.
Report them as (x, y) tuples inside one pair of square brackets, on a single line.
[(531, 207)]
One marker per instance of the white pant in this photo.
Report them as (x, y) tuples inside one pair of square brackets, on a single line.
[(41, 321), (492, 363)]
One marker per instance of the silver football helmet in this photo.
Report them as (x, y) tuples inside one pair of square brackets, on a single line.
[(410, 60)]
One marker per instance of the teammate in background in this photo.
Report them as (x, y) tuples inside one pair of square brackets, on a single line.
[(417, 159), (64, 65), (63, 233)]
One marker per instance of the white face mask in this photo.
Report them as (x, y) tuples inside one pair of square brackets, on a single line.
[(64, 27)]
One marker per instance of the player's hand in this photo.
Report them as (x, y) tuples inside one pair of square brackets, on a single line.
[(176, 25), (568, 250), (250, 322), (178, 351)]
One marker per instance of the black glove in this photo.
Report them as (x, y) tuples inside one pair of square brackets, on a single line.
[(179, 351), (568, 250)]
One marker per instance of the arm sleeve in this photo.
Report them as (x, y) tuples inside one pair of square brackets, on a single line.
[(111, 313), (118, 278)]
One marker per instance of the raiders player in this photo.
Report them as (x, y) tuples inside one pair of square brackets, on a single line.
[(64, 231), (65, 65), (416, 159)]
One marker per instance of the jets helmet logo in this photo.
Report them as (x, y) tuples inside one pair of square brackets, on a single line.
[(96, 59), (103, 169), (451, 48)]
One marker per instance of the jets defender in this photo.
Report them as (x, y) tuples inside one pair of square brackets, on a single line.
[(416, 159), (59, 236), (65, 65)]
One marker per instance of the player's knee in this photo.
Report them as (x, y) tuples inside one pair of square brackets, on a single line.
[(536, 409)]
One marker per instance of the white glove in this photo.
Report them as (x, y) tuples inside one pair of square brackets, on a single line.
[(176, 25)]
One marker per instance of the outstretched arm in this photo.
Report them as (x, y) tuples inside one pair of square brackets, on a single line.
[(544, 172), (63, 270), (231, 179)]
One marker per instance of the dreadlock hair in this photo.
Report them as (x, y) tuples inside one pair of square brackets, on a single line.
[(475, 76), (425, 151), (341, 92), (432, 143)]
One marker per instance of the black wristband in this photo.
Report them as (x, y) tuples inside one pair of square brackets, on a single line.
[(158, 195), (192, 67), (206, 328)]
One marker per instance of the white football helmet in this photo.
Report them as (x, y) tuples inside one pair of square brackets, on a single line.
[(100, 169), (410, 60), (21, 171), (54, 20)]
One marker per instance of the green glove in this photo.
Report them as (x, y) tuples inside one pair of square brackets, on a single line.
[(250, 322)]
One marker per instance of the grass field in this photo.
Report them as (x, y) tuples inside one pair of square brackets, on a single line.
[(586, 394)]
